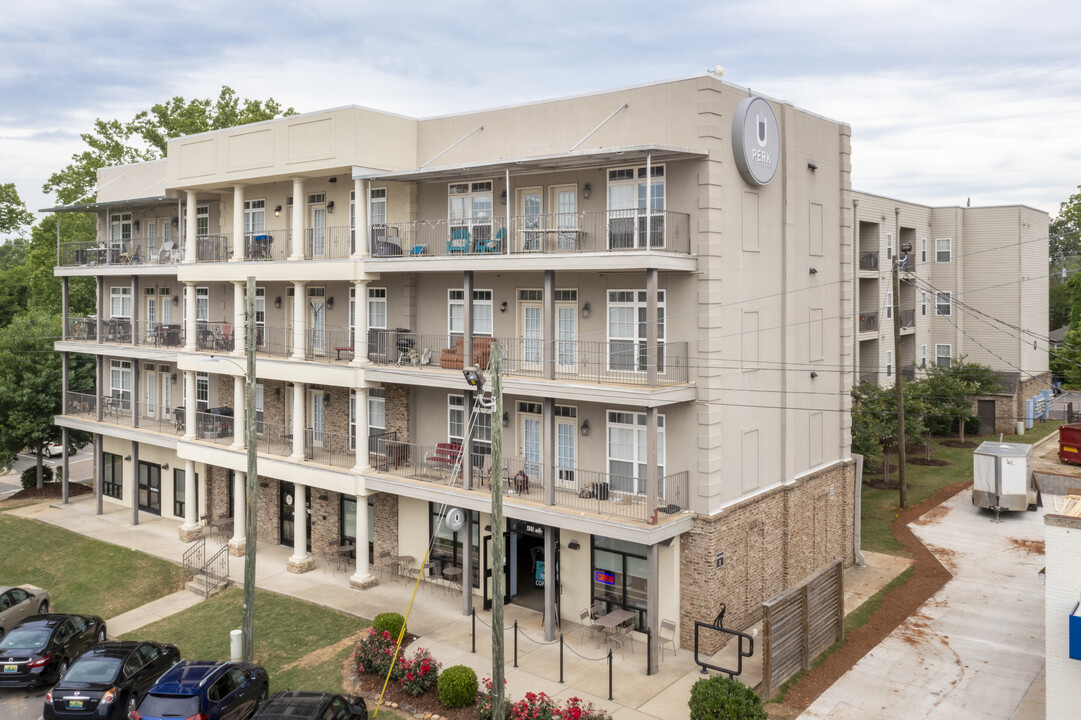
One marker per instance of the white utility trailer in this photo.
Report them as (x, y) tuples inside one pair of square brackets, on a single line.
[(1002, 477)]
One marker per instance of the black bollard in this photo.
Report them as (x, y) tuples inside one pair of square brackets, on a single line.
[(609, 673), (560, 658), (474, 613)]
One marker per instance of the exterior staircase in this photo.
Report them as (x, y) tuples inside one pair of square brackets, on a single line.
[(202, 575)]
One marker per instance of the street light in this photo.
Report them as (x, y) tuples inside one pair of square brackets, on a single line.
[(250, 500), (474, 377)]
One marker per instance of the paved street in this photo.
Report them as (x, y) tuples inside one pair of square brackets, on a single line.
[(974, 650), (22, 704)]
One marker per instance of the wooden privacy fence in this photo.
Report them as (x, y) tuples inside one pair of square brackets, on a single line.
[(799, 624)]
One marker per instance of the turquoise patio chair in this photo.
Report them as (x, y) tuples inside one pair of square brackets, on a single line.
[(459, 241)]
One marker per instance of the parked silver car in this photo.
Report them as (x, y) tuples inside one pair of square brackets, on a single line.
[(20, 602)]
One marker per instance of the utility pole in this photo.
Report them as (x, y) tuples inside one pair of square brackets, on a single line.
[(498, 551), (898, 383), (252, 479)]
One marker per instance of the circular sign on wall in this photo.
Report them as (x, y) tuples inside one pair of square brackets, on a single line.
[(454, 520), (756, 141)]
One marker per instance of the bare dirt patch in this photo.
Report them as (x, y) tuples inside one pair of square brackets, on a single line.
[(963, 444), (1030, 547), (320, 656), (933, 515)]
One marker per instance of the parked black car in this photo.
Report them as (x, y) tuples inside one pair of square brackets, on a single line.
[(109, 679), (205, 690), (293, 705), (41, 648)]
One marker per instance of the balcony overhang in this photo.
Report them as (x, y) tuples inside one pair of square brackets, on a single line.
[(565, 262), (126, 204), (133, 352), (147, 436), (578, 160)]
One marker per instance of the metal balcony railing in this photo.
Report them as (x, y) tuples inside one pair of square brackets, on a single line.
[(327, 243), (869, 377), (869, 321), (908, 372), (267, 245), (869, 260), (908, 319), (215, 425), (82, 404), (124, 331), (132, 251), (213, 248), (554, 233), (328, 448), (328, 344), (215, 335)]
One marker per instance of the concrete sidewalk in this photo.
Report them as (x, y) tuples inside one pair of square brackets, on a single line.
[(976, 648), (436, 617), (151, 612)]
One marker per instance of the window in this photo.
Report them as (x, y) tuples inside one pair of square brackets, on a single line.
[(482, 312), (377, 416), (943, 303), (627, 216), (627, 330), (258, 409), (889, 363), (120, 302), (120, 382), (923, 302), (260, 316), (113, 480), (619, 576), (469, 208), (254, 218), (179, 490), (923, 356), (202, 392), (202, 220), (566, 438), (943, 250), (202, 304), (889, 246), (482, 428), (923, 250), (377, 308), (942, 355), (889, 304), (121, 228), (377, 207), (627, 451), (449, 544)]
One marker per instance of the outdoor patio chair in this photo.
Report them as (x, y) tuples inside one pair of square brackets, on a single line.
[(459, 241), (670, 627), (587, 622), (493, 246), (620, 638)]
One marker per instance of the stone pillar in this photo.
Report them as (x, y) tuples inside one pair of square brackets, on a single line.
[(300, 319), (239, 540), (362, 579), (190, 530), (190, 326), (360, 226), (240, 318), (238, 224), (296, 249), (189, 227), (301, 561), (240, 409), (653, 606), (189, 405), (360, 328), (299, 403)]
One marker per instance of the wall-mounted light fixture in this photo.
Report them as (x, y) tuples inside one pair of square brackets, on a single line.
[(165, 466), (174, 378), (324, 496), (277, 393), (176, 299), (135, 225), (330, 207), (128, 458), (278, 302), (334, 179), (585, 427), (503, 306), (264, 484), (176, 222), (326, 399), (586, 308), (811, 166), (277, 210), (503, 198), (587, 191), (506, 419), (813, 374), (814, 271), (330, 302), (574, 545)]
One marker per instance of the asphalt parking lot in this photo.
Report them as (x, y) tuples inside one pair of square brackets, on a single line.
[(22, 704)]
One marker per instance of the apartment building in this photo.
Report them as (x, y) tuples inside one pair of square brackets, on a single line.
[(973, 284), (667, 271)]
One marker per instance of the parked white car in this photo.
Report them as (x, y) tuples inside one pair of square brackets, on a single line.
[(20, 602)]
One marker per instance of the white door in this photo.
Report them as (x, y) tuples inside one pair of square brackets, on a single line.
[(319, 222), (165, 397), (566, 437), (318, 320), (151, 394), (151, 317), (532, 335), (566, 218), (318, 408), (531, 444), (566, 337), (530, 203)]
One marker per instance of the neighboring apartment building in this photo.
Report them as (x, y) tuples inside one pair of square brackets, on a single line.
[(671, 297), (973, 283)]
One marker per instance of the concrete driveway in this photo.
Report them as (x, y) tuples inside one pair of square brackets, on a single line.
[(976, 649)]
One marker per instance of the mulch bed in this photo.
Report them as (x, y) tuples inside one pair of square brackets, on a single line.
[(369, 686), (51, 491), (962, 444), (933, 462), (928, 575)]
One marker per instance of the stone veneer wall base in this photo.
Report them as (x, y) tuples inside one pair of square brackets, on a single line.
[(363, 583), (237, 547), (300, 566), (188, 535)]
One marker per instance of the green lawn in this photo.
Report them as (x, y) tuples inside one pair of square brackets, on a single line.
[(301, 645), (82, 575), (880, 507)]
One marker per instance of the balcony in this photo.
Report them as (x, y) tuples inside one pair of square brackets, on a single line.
[(613, 231), (869, 321), (117, 409), (124, 331), (869, 261), (908, 372), (132, 251), (575, 488), (908, 320), (320, 243), (621, 362), (907, 263), (869, 377)]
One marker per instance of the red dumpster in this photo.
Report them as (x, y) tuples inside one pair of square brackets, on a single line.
[(1069, 444)]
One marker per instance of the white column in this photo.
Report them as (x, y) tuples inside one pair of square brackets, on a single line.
[(299, 408), (300, 527), (300, 319), (360, 192), (238, 223), (360, 332), (239, 510), (189, 405), (189, 227), (240, 318), (190, 326), (363, 575), (296, 251), (362, 430), (240, 407), (191, 507)]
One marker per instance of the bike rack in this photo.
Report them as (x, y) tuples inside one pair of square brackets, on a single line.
[(718, 625)]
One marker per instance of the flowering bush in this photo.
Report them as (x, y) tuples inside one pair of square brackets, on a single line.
[(484, 700), (538, 706), (419, 673), (575, 710), (534, 706), (374, 652)]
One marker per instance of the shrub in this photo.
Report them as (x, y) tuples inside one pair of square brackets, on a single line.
[(419, 673), (484, 700), (457, 686), (719, 697), (29, 477), (389, 622), (374, 652), (535, 706)]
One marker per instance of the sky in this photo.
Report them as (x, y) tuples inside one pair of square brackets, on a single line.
[(950, 101)]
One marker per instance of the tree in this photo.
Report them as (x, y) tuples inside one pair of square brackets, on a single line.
[(13, 213), (1065, 230), (146, 136), (874, 418), (952, 389)]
